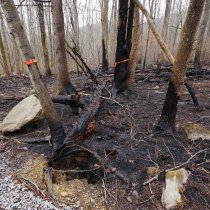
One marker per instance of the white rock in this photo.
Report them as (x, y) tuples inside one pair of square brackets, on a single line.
[(171, 196), (25, 112), (156, 87)]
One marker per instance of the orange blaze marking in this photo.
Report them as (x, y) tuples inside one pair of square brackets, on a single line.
[(31, 61), (123, 61)]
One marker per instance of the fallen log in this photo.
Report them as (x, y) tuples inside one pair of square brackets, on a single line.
[(71, 100), (85, 119)]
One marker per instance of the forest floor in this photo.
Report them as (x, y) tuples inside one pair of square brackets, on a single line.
[(123, 136)]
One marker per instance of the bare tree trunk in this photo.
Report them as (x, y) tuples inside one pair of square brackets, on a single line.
[(113, 36), (135, 47), (164, 32), (146, 49), (201, 34), (124, 45), (75, 27), (142, 35), (166, 19), (155, 32), (63, 80), (14, 23), (47, 71), (168, 116), (4, 57), (105, 36)]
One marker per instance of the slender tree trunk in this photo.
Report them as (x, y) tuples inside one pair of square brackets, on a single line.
[(142, 35), (168, 116), (201, 34), (164, 32), (47, 71), (135, 47), (14, 23), (124, 45), (113, 36), (166, 19), (75, 27), (51, 47), (63, 80), (6, 65), (105, 39), (158, 37), (146, 49)]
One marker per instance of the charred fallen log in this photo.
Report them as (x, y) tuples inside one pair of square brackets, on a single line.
[(71, 100), (85, 119)]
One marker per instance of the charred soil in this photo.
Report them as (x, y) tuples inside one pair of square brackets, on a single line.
[(122, 135)]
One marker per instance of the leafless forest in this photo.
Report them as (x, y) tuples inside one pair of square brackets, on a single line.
[(104, 104)]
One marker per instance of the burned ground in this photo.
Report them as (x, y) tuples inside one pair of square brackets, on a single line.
[(123, 135)]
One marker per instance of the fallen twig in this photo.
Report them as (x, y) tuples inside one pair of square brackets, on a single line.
[(185, 163), (175, 168)]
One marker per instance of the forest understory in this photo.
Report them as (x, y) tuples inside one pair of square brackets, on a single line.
[(123, 137)]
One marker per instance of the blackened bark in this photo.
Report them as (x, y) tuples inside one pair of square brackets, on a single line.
[(168, 116), (130, 26), (105, 65), (192, 94), (57, 138), (121, 73)]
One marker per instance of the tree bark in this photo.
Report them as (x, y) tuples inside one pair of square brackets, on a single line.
[(63, 80), (47, 71), (164, 32), (17, 31), (201, 34), (168, 116), (124, 45), (4, 57), (155, 32), (135, 47), (105, 36)]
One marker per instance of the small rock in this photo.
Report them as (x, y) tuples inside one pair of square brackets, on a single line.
[(153, 171), (63, 193), (129, 199), (135, 194), (156, 87), (113, 169)]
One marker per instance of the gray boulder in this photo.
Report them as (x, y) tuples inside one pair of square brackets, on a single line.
[(24, 113)]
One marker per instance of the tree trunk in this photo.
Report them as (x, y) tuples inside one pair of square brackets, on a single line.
[(201, 34), (124, 45), (14, 23), (4, 47), (75, 27), (168, 116), (105, 38), (164, 32), (135, 47), (63, 80), (6, 65), (166, 19), (47, 71), (155, 32)]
